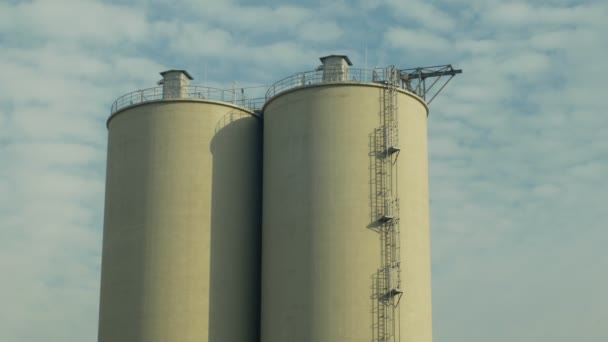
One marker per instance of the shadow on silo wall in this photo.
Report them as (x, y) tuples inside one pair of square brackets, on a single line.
[(234, 289)]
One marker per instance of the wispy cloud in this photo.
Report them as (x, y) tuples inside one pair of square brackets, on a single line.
[(517, 153), (415, 39), (518, 143), (423, 13)]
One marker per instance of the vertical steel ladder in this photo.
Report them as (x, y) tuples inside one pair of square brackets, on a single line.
[(386, 283)]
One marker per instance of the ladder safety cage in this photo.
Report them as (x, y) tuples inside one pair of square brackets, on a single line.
[(386, 282), (387, 289)]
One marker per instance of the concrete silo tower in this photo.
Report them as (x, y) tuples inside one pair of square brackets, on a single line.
[(346, 206), (182, 216)]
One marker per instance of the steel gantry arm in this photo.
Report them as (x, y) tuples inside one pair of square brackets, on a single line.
[(414, 79)]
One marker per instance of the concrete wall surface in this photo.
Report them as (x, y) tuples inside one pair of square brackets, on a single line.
[(319, 253), (181, 244)]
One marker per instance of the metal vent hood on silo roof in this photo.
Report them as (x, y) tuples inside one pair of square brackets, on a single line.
[(335, 68), (175, 83), (337, 58), (178, 71)]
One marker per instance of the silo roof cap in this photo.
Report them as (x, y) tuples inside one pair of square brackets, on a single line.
[(342, 56), (177, 70)]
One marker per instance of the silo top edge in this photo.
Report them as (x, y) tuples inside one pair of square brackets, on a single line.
[(182, 100), (332, 74), (342, 83)]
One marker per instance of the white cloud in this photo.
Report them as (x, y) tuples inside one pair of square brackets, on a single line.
[(53, 106), (197, 39), (299, 22), (423, 13), (528, 148), (320, 31), (518, 144), (529, 14), (526, 63), (50, 241), (415, 40), (75, 21)]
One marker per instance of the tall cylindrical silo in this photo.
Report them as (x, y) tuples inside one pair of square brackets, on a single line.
[(326, 166), (182, 217)]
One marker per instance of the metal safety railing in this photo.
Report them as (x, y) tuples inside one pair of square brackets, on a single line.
[(413, 80), (233, 96), (319, 76)]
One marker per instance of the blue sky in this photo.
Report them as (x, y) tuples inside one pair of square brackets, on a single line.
[(518, 143)]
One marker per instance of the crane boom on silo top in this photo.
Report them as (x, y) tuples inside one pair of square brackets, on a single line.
[(414, 79)]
